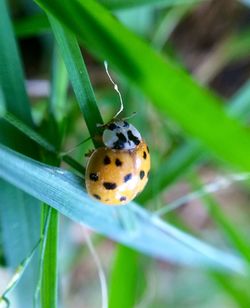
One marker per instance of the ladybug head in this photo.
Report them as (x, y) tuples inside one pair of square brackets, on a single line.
[(121, 135)]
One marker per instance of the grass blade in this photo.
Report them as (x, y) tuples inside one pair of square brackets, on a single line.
[(40, 140), (19, 212), (108, 39), (124, 278), (64, 191), (78, 75), (11, 73), (122, 4), (32, 25), (180, 161), (49, 282)]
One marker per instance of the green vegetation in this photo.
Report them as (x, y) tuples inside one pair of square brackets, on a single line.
[(174, 249)]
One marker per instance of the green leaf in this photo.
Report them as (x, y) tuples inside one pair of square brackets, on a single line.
[(40, 140), (32, 25), (227, 227), (19, 212), (79, 78), (11, 74), (59, 87), (119, 4), (174, 93), (174, 166), (65, 192), (49, 286), (186, 155), (124, 278)]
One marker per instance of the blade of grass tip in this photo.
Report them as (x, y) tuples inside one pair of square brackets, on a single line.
[(64, 191), (19, 212), (78, 76), (124, 278)]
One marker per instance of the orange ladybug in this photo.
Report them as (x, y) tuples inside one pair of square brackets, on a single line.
[(118, 172)]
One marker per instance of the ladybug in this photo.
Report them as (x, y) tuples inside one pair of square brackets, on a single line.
[(117, 172)]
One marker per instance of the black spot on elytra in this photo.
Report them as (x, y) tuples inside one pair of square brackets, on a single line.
[(109, 185), (144, 155), (97, 197), (112, 126), (142, 174), (118, 162), (128, 177), (133, 138), (93, 177), (125, 124), (123, 198), (106, 160)]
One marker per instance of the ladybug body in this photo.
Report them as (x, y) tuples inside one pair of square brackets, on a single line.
[(118, 171)]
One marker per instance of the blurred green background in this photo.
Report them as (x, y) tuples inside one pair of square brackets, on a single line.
[(193, 110)]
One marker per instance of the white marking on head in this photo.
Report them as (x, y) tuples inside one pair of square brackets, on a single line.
[(121, 135)]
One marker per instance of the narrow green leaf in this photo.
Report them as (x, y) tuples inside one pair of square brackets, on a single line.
[(49, 253), (19, 213), (174, 93), (11, 73), (119, 4), (179, 162), (49, 286), (187, 154), (124, 278), (79, 78), (230, 284), (32, 25), (64, 191), (228, 228), (40, 140), (59, 88)]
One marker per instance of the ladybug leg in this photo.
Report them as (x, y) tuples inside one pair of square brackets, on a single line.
[(89, 153)]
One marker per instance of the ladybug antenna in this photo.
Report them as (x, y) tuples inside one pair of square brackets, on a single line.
[(115, 88), (75, 147)]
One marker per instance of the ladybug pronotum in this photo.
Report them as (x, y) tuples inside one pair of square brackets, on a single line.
[(117, 172)]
